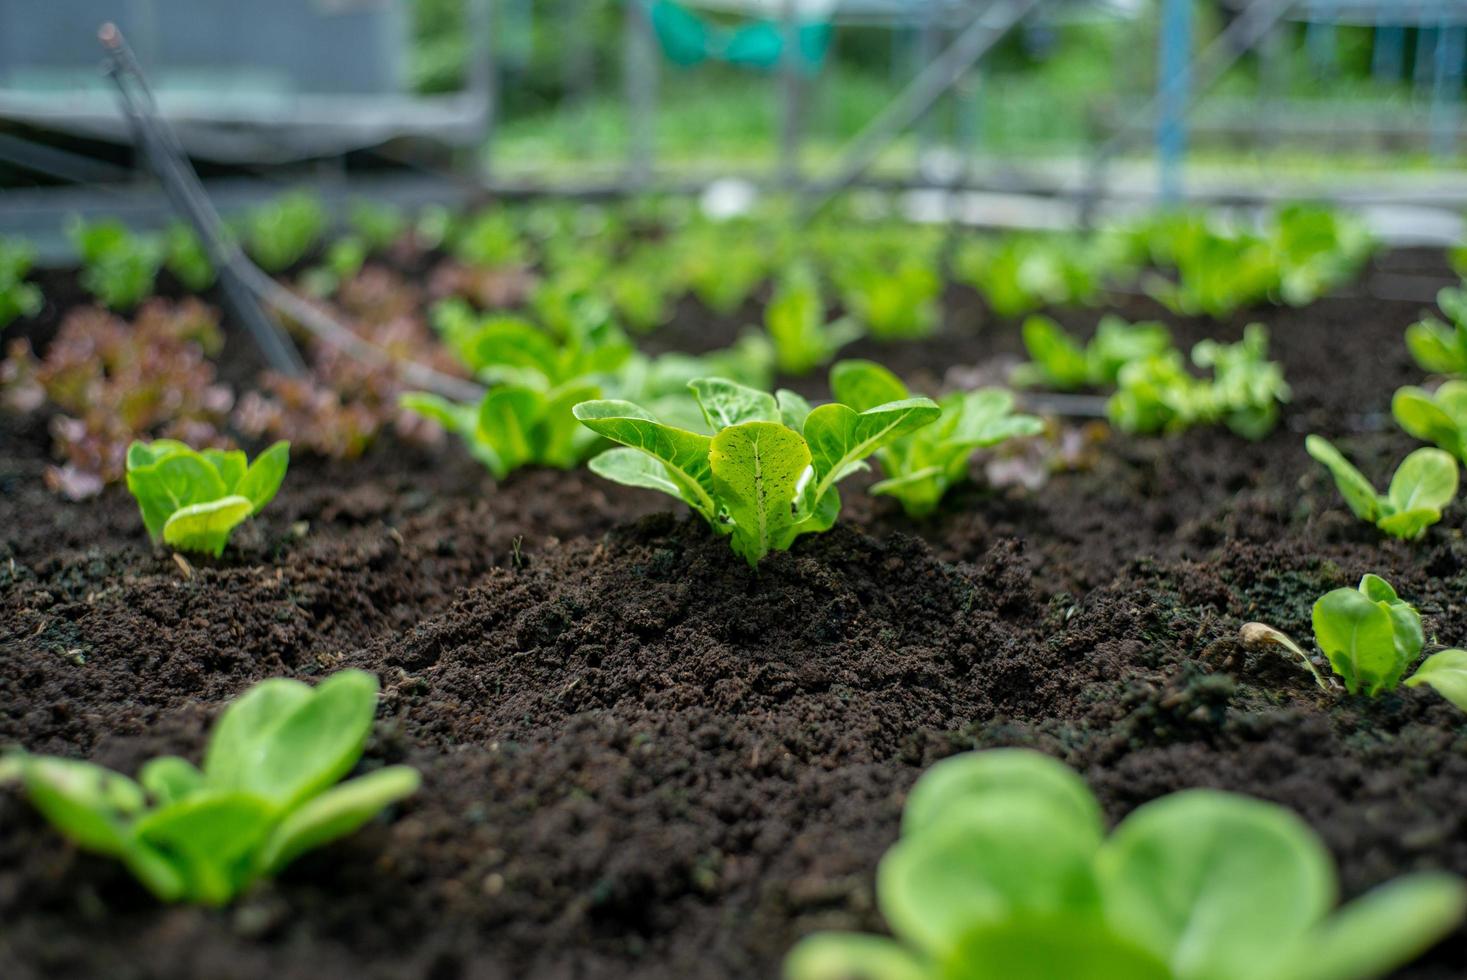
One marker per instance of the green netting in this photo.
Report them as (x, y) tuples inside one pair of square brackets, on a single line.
[(688, 39)]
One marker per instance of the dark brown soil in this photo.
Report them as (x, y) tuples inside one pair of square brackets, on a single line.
[(643, 759)]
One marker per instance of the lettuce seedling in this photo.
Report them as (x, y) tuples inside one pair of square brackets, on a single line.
[(194, 500), (1421, 488), (767, 473), (923, 465), (118, 267), (184, 256), (17, 297), (1022, 273), (1157, 393), (343, 260), (1370, 636), (279, 234), (895, 303), (1438, 417), (796, 322), (1437, 347), (377, 225), (266, 794), (1004, 871), (1064, 365), (489, 240)]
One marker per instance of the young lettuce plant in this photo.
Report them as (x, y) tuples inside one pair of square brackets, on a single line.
[(184, 255), (1157, 393), (1438, 417), (767, 473), (1062, 364), (279, 234), (17, 297), (796, 322), (1004, 872), (922, 466), (1371, 636), (267, 793), (1421, 488), (896, 303), (194, 500), (1437, 347), (118, 267)]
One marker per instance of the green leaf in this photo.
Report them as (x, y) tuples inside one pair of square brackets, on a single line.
[(169, 779), (852, 956), (177, 479), (757, 468), (507, 418), (1383, 929), (1361, 497), (209, 837), (335, 813), (684, 453), (1215, 885), (87, 803), (206, 527), (239, 734), (264, 476), (1434, 346), (970, 780), (725, 403), (1425, 480), (1446, 673), (230, 464), (1009, 856), (865, 384), (1057, 948), (291, 754), (1417, 412), (561, 439), (1058, 360), (1358, 637), (793, 408), (841, 438), (634, 468)]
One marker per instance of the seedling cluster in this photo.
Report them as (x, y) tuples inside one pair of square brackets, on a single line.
[(1005, 867)]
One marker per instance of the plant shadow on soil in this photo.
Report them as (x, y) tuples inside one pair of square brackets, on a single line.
[(644, 759)]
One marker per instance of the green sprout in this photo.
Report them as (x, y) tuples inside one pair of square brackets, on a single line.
[(1437, 347), (184, 256), (17, 297), (1421, 488), (767, 473), (1004, 872), (194, 500), (1064, 365), (118, 267), (1438, 417), (922, 466), (1371, 636), (279, 234), (267, 793), (898, 302), (377, 225), (796, 322), (1159, 394)]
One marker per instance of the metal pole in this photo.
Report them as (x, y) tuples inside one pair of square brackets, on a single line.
[(1173, 83), (793, 101), (1388, 55), (1241, 35), (987, 27), (483, 77), (639, 66), (1446, 89)]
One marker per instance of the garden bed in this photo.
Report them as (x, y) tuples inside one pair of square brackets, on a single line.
[(642, 758)]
